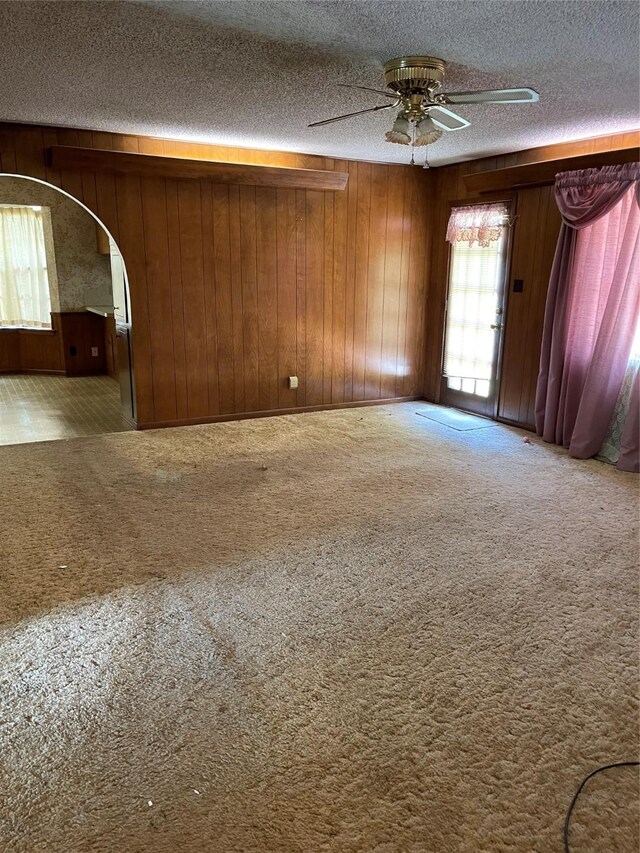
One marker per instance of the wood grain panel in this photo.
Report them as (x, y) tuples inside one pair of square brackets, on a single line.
[(286, 295), (391, 294), (210, 293), (158, 273), (9, 351), (267, 290), (32, 350), (127, 161), (44, 351), (314, 298), (415, 328), (523, 262), (375, 280), (361, 280), (327, 298), (174, 326), (338, 280), (132, 245), (193, 298), (407, 231), (350, 277), (250, 330), (301, 294), (224, 296), (531, 262), (537, 174), (81, 332), (235, 239)]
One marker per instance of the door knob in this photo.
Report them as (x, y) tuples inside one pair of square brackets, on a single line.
[(496, 326)]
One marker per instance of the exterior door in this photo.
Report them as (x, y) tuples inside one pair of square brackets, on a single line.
[(474, 324)]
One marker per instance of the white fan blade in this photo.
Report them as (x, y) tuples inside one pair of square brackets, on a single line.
[(350, 115), (446, 120), (367, 89), (492, 96)]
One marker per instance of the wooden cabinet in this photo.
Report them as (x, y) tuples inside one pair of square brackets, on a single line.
[(111, 347), (125, 373), (83, 342)]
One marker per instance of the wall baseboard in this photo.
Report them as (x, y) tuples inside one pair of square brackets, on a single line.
[(34, 371), (268, 413), (518, 424)]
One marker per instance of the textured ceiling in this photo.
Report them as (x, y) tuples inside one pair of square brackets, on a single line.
[(256, 73)]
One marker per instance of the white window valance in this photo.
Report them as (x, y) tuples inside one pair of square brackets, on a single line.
[(477, 223)]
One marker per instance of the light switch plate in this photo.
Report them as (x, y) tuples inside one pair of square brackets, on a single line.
[(293, 382), (94, 351)]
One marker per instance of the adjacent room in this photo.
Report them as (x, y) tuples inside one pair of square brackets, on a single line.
[(60, 275), (319, 426)]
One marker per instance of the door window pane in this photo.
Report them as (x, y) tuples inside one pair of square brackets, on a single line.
[(474, 297)]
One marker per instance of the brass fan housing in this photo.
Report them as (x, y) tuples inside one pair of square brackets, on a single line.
[(409, 75)]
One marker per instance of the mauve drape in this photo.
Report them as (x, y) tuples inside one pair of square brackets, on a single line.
[(592, 309)]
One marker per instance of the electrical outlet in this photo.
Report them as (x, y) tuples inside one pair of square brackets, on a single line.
[(94, 351), (293, 382)]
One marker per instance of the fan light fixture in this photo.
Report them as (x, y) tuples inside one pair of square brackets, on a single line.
[(399, 132), (427, 132), (413, 85)]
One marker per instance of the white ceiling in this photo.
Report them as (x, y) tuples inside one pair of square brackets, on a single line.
[(256, 73)]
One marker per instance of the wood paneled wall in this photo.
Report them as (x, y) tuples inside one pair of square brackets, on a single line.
[(235, 288), (535, 235), (66, 348), (83, 332), (41, 351), (533, 245), (32, 350)]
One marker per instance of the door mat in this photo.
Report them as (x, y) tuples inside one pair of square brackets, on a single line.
[(455, 419)]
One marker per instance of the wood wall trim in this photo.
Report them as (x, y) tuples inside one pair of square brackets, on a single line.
[(29, 371), (27, 330), (159, 166), (541, 174), (268, 413)]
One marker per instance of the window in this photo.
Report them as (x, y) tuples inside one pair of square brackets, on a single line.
[(478, 236), (24, 280)]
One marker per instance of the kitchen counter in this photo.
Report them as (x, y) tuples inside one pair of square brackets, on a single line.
[(101, 310)]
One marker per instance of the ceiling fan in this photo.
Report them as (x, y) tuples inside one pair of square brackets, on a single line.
[(415, 83)]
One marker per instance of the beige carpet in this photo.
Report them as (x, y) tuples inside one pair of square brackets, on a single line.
[(348, 631)]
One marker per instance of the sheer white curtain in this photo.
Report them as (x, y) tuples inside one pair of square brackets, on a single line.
[(477, 234), (612, 445), (24, 282)]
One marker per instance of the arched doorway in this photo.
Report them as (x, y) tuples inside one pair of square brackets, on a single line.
[(65, 312)]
